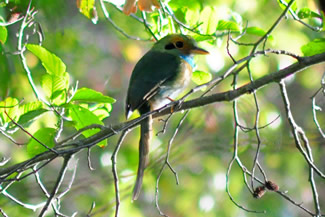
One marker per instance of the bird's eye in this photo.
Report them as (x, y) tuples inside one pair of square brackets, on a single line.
[(179, 44), (169, 46)]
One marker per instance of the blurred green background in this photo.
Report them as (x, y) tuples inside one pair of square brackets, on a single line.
[(99, 57)]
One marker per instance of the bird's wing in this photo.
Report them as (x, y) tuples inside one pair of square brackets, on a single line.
[(152, 71)]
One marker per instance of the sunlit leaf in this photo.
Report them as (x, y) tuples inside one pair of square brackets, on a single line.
[(190, 4), (316, 46), (101, 113), (228, 25), (257, 31), (9, 109), (192, 17), (236, 17), (52, 63), (88, 8), (200, 38), (307, 13), (88, 95), (101, 110), (30, 111), (55, 87), (3, 34), (82, 117), (209, 20), (200, 77), (45, 136)]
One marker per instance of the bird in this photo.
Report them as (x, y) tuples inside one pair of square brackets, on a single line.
[(157, 78)]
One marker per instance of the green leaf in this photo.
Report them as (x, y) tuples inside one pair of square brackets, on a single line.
[(316, 46), (192, 17), (283, 4), (200, 77), (11, 107), (6, 75), (200, 38), (82, 117), (3, 34), (46, 137), (307, 13), (52, 63), (257, 31), (55, 87), (236, 17), (87, 95), (101, 110), (228, 25), (190, 4), (208, 18), (88, 8), (30, 111)]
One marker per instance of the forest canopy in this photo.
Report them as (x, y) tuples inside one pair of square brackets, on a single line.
[(246, 138)]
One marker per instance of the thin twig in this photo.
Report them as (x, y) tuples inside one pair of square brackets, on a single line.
[(297, 132), (21, 48), (295, 17), (165, 121), (4, 161), (11, 22), (235, 155), (283, 194), (257, 114), (70, 182), (167, 163), (213, 83), (25, 205), (56, 185), (108, 18), (89, 160), (80, 131), (256, 128), (247, 129), (143, 13), (29, 134), (39, 182), (140, 20), (10, 138), (114, 171), (315, 108), (3, 213), (92, 207)]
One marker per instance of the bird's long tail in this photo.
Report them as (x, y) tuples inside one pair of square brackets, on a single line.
[(145, 137)]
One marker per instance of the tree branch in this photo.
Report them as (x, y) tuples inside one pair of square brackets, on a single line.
[(78, 145)]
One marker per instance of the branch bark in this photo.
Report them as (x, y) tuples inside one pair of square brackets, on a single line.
[(78, 145)]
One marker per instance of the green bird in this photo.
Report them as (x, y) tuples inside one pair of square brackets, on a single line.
[(159, 76)]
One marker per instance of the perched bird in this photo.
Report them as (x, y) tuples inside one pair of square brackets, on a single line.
[(159, 76)]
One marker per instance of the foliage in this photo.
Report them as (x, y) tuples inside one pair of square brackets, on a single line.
[(87, 50)]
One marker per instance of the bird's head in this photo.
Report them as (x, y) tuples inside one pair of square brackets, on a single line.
[(179, 45)]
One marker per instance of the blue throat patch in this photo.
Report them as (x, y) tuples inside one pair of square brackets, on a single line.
[(189, 59)]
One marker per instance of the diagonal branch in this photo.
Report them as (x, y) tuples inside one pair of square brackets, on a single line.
[(78, 145)]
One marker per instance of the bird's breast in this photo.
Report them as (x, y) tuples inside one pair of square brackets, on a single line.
[(174, 87)]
